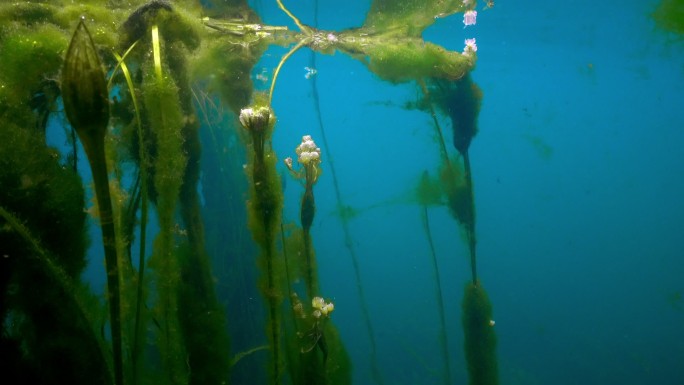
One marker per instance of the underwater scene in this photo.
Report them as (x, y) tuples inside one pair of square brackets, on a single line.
[(318, 192)]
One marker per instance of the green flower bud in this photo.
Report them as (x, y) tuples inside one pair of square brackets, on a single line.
[(84, 90)]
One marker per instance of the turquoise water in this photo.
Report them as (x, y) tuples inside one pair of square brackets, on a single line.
[(578, 182), (577, 171)]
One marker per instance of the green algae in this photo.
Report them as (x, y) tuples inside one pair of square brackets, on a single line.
[(480, 339), (669, 15)]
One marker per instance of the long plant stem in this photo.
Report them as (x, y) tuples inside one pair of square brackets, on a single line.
[(75, 149), (440, 299), (438, 129), (287, 274), (470, 226), (98, 165), (470, 230), (348, 240), (273, 311), (143, 214), (294, 18), (280, 65), (311, 285), (266, 209)]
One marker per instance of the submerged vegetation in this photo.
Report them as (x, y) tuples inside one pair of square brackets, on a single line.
[(138, 86)]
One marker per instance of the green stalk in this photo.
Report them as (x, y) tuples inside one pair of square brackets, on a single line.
[(470, 225), (440, 299), (96, 156), (307, 213), (348, 240), (86, 103), (143, 213), (265, 207), (280, 65), (261, 186)]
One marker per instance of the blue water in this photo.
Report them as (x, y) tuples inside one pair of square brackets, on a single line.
[(578, 183)]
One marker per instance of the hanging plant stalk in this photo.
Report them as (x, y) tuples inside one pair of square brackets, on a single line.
[(265, 206), (309, 156), (135, 354), (86, 104)]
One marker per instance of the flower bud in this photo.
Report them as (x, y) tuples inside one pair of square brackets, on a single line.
[(84, 90), (255, 119)]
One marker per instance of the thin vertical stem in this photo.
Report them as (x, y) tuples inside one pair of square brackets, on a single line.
[(440, 298), (470, 230)]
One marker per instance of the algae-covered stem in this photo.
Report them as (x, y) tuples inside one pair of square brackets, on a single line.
[(440, 299), (265, 208), (86, 103), (470, 230), (349, 244), (308, 210)]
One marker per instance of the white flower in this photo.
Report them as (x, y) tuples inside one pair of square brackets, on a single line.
[(258, 119), (470, 47), (288, 162), (245, 114), (469, 18), (321, 308), (327, 308), (317, 302), (307, 151)]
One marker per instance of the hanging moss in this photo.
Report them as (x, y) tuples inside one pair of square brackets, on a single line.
[(669, 15), (225, 63), (26, 12), (457, 193), (461, 101), (410, 17), (29, 56), (48, 197), (480, 339), (174, 21), (429, 191), (410, 59)]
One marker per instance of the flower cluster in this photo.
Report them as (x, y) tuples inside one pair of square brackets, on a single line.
[(469, 18), (318, 304), (309, 156), (307, 151), (321, 308), (256, 119), (470, 47)]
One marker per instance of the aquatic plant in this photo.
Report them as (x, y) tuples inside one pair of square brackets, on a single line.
[(315, 352), (480, 339), (669, 15), (309, 156), (264, 207), (149, 152), (40, 292), (86, 104), (426, 197)]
